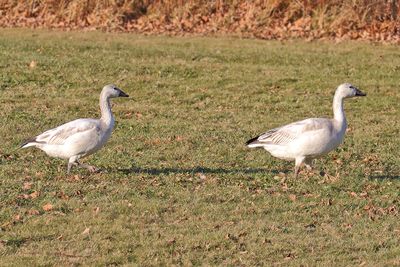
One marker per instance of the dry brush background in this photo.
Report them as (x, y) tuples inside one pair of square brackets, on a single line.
[(376, 20)]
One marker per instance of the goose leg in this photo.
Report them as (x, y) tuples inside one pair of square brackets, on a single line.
[(69, 167), (308, 163), (298, 163), (90, 168), (72, 161)]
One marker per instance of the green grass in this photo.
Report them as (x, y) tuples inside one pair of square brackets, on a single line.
[(180, 187)]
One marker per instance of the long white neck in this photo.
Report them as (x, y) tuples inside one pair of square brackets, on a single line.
[(338, 110), (106, 115)]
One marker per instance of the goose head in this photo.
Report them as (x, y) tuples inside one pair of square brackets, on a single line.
[(347, 90), (112, 91)]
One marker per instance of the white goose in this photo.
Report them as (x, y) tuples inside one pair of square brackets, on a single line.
[(82, 137), (307, 139)]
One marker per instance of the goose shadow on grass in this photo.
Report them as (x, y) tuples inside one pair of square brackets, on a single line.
[(198, 169), (387, 176)]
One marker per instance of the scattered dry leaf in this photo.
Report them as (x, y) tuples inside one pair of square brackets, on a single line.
[(202, 176), (62, 195), (27, 186), (32, 212), (171, 241), (24, 196), (32, 64), (179, 138), (47, 207), (86, 231), (34, 194)]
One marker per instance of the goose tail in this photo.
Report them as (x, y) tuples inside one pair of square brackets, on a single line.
[(28, 143), (254, 142)]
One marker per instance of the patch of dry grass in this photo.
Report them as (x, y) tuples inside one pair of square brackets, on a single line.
[(267, 19)]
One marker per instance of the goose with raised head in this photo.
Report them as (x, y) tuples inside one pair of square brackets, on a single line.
[(305, 140), (82, 137)]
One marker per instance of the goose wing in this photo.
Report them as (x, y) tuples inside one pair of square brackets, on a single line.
[(288, 133), (60, 134)]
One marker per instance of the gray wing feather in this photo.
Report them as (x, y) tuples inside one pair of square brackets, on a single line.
[(59, 135), (288, 133)]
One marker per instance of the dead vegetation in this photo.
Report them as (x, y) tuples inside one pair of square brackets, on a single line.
[(266, 19)]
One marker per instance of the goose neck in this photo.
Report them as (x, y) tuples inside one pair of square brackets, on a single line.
[(338, 110), (105, 108)]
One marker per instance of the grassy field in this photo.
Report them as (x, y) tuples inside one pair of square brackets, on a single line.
[(179, 186)]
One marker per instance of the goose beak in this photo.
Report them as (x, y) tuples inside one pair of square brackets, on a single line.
[(359, 93), (122, 94)]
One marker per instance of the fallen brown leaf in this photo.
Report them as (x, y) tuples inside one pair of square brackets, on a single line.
[(171, 241), (24, 196), (27, 186), (47, 207), (33, 64), (179, 138), (202, 176), (34, 194), (62, 195), (32, 212), (86, 231)]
